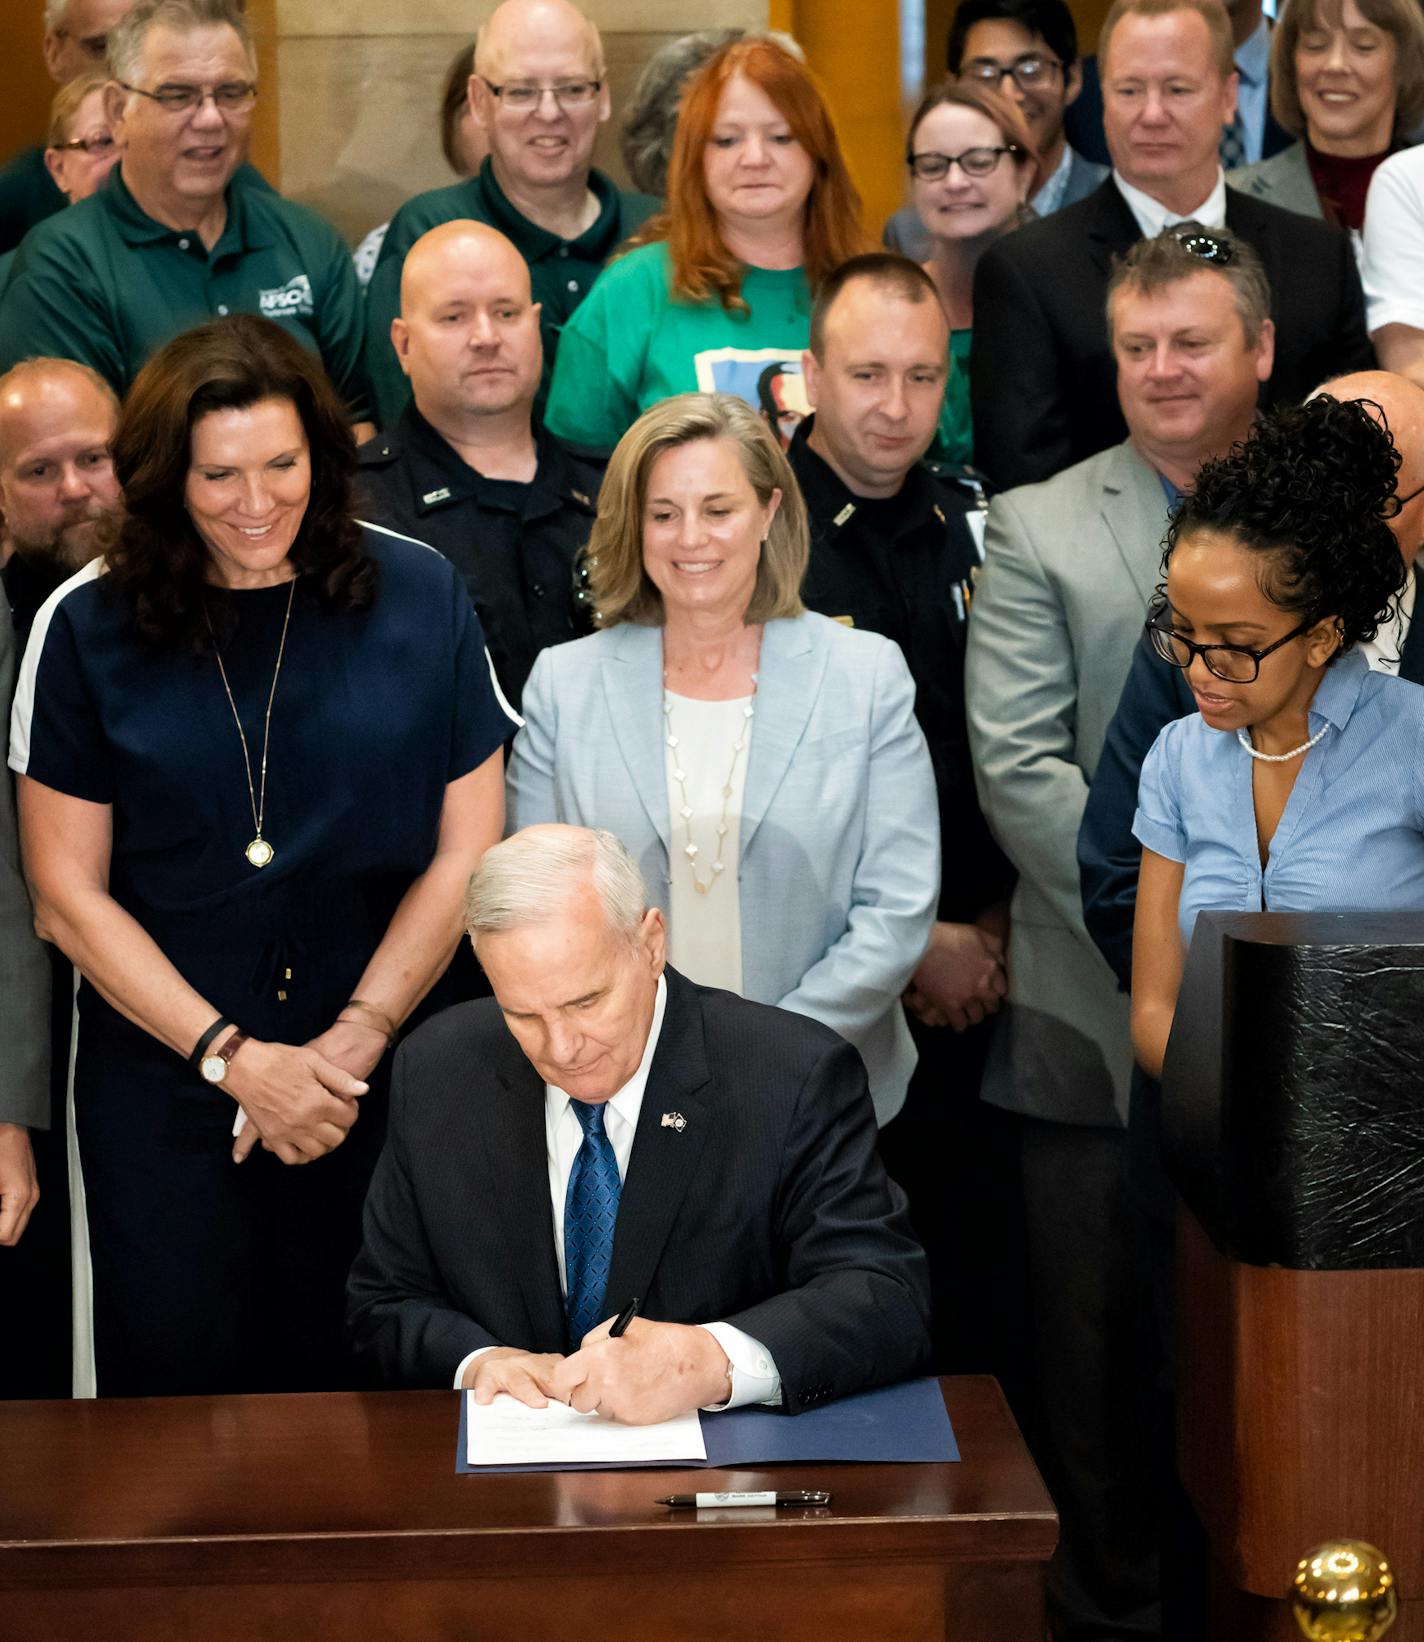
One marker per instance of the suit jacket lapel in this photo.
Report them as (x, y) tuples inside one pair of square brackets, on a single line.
[(788, 682), (1113, 228), (632, 684), (517, 1158), (1411, 652), (664, 1157), (1135, 512)]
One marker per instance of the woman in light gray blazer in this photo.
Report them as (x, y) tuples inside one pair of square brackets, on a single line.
[(762, 764)]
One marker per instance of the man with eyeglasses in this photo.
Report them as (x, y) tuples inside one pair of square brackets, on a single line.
[(1169, 83), (1069, 573), (540, 93), (170, 241), (1027, 49), (75, 37)]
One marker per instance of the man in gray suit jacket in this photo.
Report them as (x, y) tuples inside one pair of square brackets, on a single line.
[(1071, 566), (24, 1001)]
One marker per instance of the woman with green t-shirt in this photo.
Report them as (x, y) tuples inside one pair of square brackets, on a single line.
[(718, 295), (974, 166)]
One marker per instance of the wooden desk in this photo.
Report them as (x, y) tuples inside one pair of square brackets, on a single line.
[(341, 1516)]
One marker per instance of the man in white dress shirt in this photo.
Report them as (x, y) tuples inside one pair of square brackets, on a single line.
[(604, 1131)]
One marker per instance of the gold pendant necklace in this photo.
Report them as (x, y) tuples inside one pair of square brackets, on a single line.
[(259, 852)]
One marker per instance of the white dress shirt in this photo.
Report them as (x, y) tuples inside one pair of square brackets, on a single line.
[(1152, 216), (1384, 650), (754, 1375)]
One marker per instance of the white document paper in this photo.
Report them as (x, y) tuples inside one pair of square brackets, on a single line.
[(506, 1432)]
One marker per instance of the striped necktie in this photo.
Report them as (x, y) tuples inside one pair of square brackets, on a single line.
[(590, 1213)]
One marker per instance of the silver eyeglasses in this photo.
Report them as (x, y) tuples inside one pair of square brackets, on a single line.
[(523, 98)]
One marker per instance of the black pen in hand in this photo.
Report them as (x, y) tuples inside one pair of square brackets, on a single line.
[(626, 1316)]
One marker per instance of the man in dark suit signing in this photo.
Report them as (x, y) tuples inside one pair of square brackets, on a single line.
[(1043, 386), (603, 1130)]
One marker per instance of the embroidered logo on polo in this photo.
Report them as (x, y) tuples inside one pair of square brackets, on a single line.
[(290, 301)]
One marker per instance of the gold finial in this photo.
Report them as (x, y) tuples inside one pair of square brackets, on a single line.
[(1343, 1591)]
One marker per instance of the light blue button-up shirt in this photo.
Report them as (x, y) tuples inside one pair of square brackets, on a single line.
[(1352, 834), (1253, 61)]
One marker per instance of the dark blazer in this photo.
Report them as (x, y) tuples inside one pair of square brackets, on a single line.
[(1108, 855), (1044, 385), (769, 1209)]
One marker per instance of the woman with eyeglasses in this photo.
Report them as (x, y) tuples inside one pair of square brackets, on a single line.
[(1298, 785), (974, 167), (717, 296)]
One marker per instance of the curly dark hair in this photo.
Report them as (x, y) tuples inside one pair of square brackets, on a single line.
[(157, 560), (1311, 489)]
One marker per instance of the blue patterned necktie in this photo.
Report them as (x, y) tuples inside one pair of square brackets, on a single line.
[(1232, 148), (590, 1211)]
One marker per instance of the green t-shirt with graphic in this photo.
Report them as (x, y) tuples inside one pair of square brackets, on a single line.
[(632, 343)]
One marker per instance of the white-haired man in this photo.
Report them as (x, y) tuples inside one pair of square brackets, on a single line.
[(603, 1130), (76, 36)]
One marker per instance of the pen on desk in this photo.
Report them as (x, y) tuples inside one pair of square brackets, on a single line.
[(626, 1316), (797, 1496)]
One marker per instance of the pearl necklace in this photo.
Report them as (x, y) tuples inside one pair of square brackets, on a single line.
[(1244, 737), (690, 849)]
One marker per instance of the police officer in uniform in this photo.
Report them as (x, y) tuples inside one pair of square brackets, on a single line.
[(468, 468), (896, 542)]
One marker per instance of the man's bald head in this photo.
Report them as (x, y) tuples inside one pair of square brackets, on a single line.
[(546, 58), (57, 480), (519, 27), (468, 331), (1402, 402)]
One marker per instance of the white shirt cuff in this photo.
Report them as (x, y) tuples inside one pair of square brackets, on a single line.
[(754, 1375), (466, 1361)]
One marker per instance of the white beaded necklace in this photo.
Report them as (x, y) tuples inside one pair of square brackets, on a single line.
[(1244, 737), (690, 849)]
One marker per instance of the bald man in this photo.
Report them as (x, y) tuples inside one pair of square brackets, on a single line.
[(57, 481), (1156, 693), (539, 92), (75, 35), (468, 467)]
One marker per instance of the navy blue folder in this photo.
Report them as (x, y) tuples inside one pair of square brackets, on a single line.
[(898, 1424)]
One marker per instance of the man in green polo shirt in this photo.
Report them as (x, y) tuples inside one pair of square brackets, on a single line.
[(75, 38), (168, 242), (540, 92)]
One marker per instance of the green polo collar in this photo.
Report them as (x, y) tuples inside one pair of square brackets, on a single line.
[(239, 233), (533, 242)]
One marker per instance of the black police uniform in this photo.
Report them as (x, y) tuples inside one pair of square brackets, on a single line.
[(905, 566), (518, 546)]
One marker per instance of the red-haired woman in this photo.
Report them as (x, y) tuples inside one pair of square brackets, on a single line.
[(718, 298)]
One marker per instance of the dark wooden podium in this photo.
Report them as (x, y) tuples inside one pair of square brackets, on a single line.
[(238, 1519), (1293, 1127)]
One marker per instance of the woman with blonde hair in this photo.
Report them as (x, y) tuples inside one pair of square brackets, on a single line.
[(762, 764), (761, 208)]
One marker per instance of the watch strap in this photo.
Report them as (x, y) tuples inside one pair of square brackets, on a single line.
[(230, 1045), (195, 1060)]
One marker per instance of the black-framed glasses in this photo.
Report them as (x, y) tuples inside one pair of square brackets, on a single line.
[(1397, 504), (523, 98), (973, 162), (1029, 72), (1198, 242), (1233, 662), (231, 97), (90, 145)]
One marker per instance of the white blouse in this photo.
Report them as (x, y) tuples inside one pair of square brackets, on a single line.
[(705, 929)]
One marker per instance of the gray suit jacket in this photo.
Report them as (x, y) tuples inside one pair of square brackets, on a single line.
[(838, 871), (24, 969), (1284, 179), (1070, 567), (905, 233)]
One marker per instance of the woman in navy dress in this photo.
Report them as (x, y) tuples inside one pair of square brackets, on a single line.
[(1298, 785), (260, 753)]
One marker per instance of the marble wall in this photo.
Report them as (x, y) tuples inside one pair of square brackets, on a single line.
[(349, 118)]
